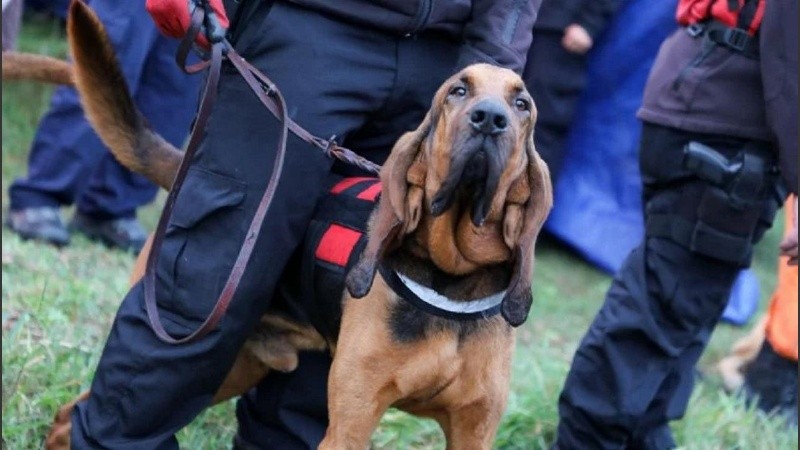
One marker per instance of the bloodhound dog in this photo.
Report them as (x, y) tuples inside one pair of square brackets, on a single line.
[(464, 198)]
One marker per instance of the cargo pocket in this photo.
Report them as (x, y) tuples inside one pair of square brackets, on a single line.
[(203, 237)]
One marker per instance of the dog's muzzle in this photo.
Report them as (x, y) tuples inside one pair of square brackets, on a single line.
[(477, 166)]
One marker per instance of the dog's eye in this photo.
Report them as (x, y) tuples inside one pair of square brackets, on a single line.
[(458, 91), (522, 104)]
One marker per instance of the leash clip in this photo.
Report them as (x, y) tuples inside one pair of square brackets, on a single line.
[(327, 146)]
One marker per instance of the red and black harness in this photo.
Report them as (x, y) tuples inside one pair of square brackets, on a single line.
[(332, 245)]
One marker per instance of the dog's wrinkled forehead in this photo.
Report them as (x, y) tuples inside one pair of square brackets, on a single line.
[(485, 81)]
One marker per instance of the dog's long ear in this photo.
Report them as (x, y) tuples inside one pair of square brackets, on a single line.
[(395, 170), (518, 299), (388, 218)]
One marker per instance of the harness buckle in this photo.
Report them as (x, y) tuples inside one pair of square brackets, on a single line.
[(735, 38)]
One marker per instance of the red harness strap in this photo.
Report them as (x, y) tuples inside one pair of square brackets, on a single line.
[(338, 241), (337, 244)]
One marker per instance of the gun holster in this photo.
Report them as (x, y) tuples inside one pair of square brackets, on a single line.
[(724, 216)]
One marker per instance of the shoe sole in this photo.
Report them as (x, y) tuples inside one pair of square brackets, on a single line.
[(97, 236), (32, 237)]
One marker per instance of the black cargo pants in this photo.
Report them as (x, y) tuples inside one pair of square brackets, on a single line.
[(633, 370), (360, 84)]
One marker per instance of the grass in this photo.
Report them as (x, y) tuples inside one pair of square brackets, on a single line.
[(58, 306)]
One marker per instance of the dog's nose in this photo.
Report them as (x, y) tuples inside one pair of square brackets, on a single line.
[(488, 117)]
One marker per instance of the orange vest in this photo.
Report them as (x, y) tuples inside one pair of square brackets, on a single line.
[(729, 12), (782, 313)]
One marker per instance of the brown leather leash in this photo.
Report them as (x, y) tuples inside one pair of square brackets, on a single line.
[(269, 95)]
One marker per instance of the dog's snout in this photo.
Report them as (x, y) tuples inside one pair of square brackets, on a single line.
[(488, 117)]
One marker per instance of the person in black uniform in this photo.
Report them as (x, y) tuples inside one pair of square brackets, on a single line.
[(363, 71), (69, 165), (718, 154)]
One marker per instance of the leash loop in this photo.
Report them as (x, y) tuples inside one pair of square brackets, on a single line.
[(209, 95)]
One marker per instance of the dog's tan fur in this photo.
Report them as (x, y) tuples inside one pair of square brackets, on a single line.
[(110, 108), (743, 352), (45, 69), (460, 380)]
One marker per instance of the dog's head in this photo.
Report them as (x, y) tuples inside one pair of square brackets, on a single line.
[(480, 129), (467, 185)]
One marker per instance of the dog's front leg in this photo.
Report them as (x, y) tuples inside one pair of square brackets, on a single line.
[(355, 407), (472, 427), (361, 381)]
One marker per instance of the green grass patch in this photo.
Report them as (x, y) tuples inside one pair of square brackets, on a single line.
[(58, 306)]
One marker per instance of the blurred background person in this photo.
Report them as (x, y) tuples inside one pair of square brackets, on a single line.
[(718, 150), (68, 164), (598, 191), (555, 72)]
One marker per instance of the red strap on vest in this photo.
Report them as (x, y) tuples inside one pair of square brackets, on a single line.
[(338, 241), (371, 193), (347, 183), (337, 245)]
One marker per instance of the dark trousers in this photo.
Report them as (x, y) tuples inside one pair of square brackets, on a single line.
[(634, 368), (68, 163), (362, 85), (556, 78)]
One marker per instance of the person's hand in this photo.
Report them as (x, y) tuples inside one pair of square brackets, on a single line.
[(576, 39), (173, 17), (789, 244)]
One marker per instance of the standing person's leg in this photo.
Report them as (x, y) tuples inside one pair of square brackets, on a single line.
[(167, 97), (669, 403), (12, 21), (145, 390), (286, 411), (633, 370), (629, 352), (289, 411), (65, 150)]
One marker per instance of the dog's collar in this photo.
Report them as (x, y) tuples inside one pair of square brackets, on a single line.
[(432, 302)]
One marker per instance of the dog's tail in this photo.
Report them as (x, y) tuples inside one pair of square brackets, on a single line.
[(27, 66), (108, 104)]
